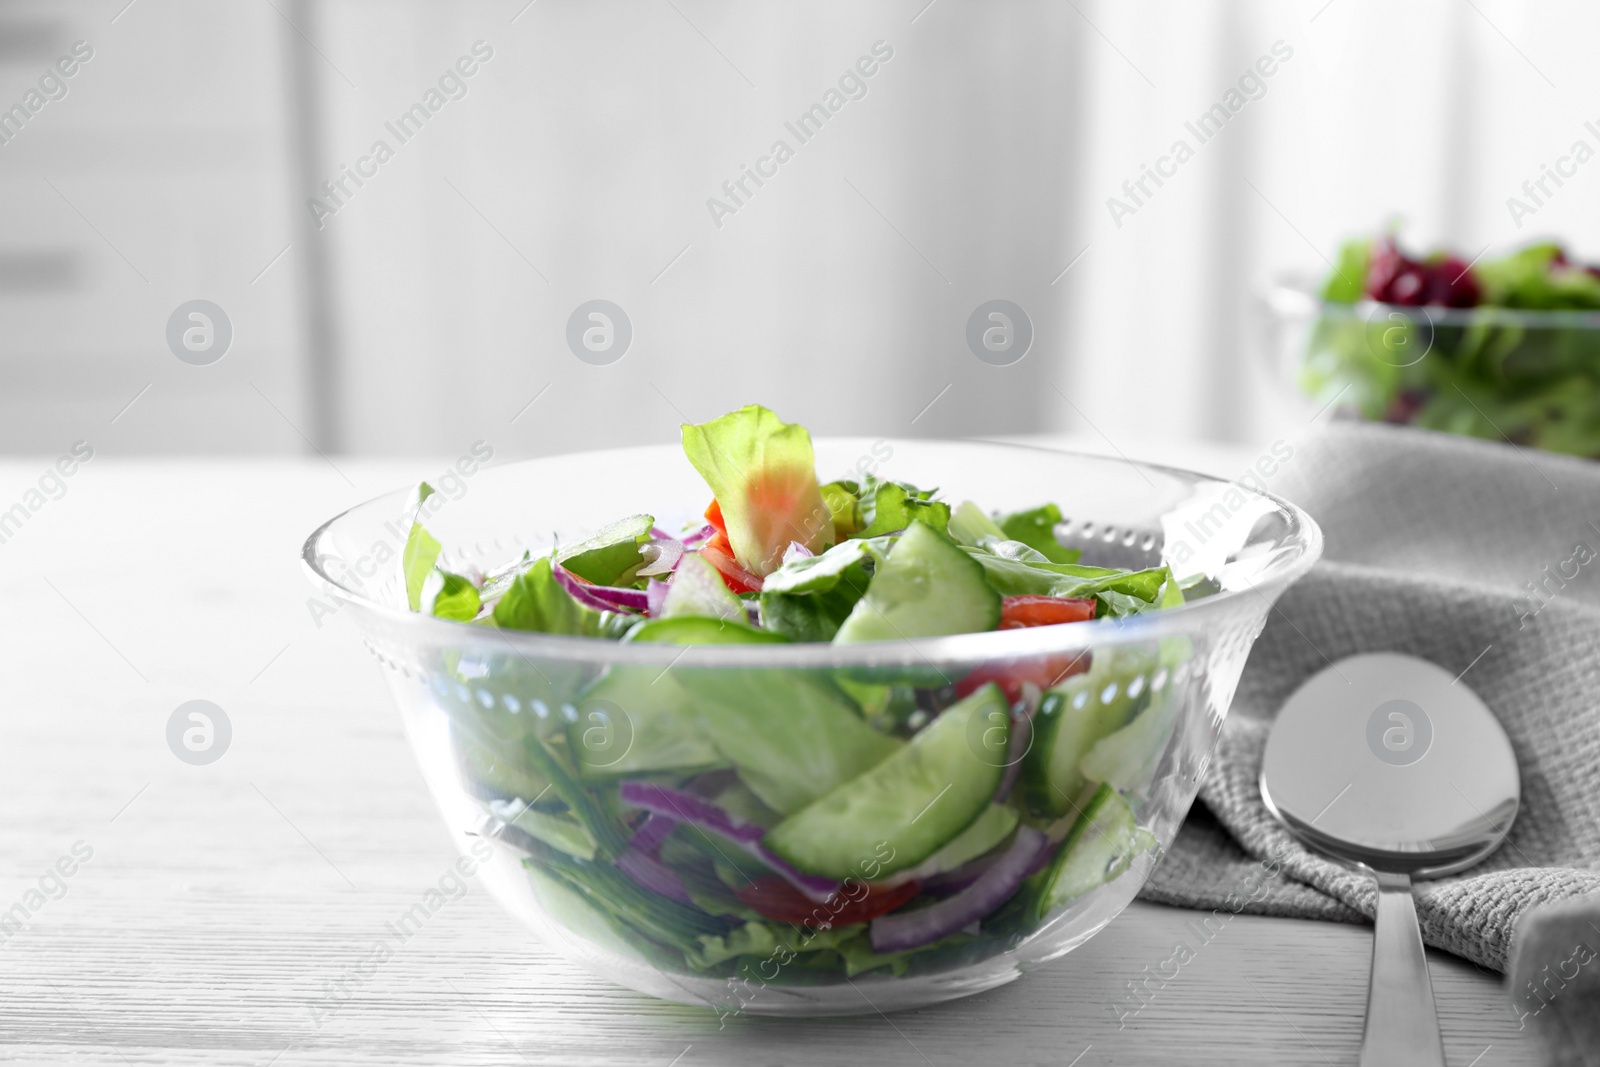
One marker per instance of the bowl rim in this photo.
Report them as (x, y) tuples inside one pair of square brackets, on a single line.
[(1297, 295), (1304, 533)]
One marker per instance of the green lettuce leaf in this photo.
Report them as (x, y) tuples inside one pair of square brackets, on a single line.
[(762, 472), (892, 506), (820, 573), (455, 598), (421, 551), (969, 525), (610, 556), (537, 602), (808, 599), (840, 498), (792, 734)]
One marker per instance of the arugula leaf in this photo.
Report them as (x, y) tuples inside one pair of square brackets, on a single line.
[(1119, 604), (762, 472), (1024, 577), (536, 602), (1146, 585), (610, 556), (1036, 529), (893, 506), (1019, 577)]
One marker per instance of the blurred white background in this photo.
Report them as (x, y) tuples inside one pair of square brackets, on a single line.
[(576, 162)]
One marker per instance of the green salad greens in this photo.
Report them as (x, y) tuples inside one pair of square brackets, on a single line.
[(1500, 348), (808, 822)]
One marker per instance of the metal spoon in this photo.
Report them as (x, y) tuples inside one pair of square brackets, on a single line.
[(1386, 763)]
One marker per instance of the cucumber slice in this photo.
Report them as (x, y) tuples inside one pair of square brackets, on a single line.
[(1102, 845), (1127, 758), (929, 586), (910, 805), (1072, 718)]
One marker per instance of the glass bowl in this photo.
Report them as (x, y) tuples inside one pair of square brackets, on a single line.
[(1505, 374), (508, 732)]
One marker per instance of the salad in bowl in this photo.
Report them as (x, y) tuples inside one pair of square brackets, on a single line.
[(768, 741), (1505, 348)]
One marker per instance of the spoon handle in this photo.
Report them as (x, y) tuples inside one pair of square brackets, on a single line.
[(1402, 1028)]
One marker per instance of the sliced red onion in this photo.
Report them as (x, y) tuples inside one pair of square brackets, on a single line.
[(650, 873), (1016, 748), (655, 597), (651, 834), (699, 537), (796, 551), (664, 554), (620, 599), (942, 885), (579, 590), (599, 597), (902, 931), (1042, 860), (679, 806)]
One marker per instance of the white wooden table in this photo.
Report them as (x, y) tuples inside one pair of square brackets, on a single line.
[(221, 903)]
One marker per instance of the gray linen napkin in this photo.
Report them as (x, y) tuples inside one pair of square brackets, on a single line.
[(1436, 546)]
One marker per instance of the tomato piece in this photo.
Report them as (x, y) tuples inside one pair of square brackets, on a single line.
[(782, 902), (719, 554), (1019, 611), (718, 551), (1043, 671)]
